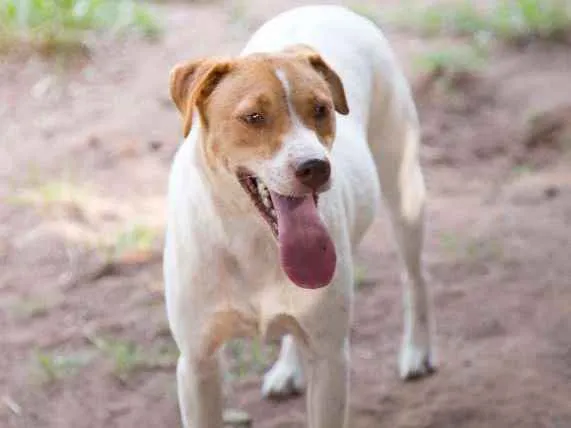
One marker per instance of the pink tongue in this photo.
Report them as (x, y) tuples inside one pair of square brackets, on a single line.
[(306, 250)]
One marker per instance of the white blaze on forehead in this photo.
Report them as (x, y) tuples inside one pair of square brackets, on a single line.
[(300, 142), (298, 145), (280, 74)]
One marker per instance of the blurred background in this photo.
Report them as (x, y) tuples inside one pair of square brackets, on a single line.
[(87, 134)]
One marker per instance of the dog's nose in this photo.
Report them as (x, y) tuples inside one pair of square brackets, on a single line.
[(313, 173)]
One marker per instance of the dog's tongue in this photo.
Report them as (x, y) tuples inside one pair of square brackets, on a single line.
[(306, 251)]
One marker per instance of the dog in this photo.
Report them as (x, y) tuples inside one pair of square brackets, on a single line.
[(287, 147)]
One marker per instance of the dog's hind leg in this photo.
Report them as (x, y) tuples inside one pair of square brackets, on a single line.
[(285, 378), (395, 149)]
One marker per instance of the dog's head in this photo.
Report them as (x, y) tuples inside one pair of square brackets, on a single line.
[(269, 119)]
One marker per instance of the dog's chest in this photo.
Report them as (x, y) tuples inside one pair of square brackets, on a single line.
[(255, 296), (251, 252)]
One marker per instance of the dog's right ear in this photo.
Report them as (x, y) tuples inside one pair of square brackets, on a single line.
[(192, 82)]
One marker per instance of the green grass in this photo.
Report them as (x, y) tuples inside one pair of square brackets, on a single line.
[(237, 11), (128, 357), (34, 307), (360, 277), (249, 357), (66, 199), (49, 193), (138, 237), (450, 243), (65, 25), (480, 248), (366, 10), (463, 58), (522, 170), (53, 366), (511, 20), (485, 249), (53, 198)]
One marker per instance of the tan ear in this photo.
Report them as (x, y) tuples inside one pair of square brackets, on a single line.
[(331, 77), (192, 82)]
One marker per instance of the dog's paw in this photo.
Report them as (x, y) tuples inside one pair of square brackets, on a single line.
[(415, 362), (283, 380)]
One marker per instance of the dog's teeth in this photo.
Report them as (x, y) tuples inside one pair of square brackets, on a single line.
[(262, 189)]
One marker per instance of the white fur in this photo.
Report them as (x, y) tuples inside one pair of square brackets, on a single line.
[(221, 265), (299, 145), (286, 376)]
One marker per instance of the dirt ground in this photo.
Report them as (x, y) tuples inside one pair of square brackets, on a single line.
[(85, 148)]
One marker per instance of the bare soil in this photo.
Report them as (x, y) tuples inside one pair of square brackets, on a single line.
[(85, 147)]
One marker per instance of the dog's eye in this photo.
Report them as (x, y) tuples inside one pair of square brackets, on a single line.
[(254, 118), (320, 111)]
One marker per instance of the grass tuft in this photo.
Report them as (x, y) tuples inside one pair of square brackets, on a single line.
[(365, 10), (136, 239), (515, 21), (521, 170), (360, 277), (48, 194), (458, 59), (128, 357), (51, 26), (249, 357), (35, 307), (53, 367), (475, 248)]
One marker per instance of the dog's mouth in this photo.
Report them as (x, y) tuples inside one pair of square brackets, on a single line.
[(307, 253), (262, 199), (260, 195)]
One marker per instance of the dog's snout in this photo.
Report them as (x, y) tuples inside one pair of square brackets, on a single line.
[(314, 173)]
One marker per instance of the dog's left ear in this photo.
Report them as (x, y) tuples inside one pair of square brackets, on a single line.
[(331, 77), (191, 83)]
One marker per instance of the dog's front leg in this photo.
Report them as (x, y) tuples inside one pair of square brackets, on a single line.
[(199, 391), (327, 388)]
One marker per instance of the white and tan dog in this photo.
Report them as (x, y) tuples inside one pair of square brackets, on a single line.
[(287, 148)]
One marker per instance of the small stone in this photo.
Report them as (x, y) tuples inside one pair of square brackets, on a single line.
[(551, 192), (155, 145), (94, 142), (166, 102), (234, 418)]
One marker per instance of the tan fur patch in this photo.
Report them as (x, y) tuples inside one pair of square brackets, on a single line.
[(251, 89), (306, 53), (192, 82), (243, 105)]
